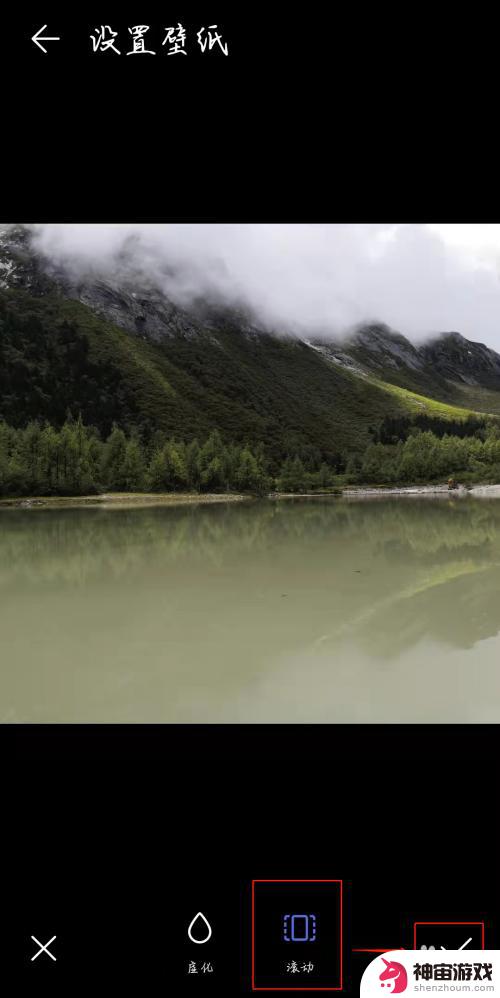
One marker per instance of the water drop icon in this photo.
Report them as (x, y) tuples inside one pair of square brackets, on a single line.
[(200, 929)]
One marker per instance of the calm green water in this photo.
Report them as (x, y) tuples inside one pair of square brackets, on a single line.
[(322, 610)]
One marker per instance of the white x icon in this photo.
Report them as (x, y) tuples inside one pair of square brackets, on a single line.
[(44, 948)]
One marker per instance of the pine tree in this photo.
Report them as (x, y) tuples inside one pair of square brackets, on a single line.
[(193, 469), (292, 477), (30, 453), (133, 466), (18, 483), (212, 478), (50, 456), (175, 465), (212, 450), (249, 477), (5, 445), (155, 477), (114, 459), (324, 477), (353, 468)]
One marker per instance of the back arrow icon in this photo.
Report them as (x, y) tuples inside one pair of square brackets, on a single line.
[(38, 41)]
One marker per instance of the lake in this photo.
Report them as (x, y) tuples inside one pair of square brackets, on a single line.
[(323, 610)]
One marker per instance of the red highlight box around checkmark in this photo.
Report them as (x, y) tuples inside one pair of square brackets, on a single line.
[(446, 923)]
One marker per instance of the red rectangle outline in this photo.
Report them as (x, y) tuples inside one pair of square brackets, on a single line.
[(341, 986), (446, 923)]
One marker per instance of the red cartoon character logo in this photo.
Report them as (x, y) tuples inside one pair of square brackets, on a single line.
[(394, 973)]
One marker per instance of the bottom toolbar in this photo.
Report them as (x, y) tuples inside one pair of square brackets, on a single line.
[(260, 935)]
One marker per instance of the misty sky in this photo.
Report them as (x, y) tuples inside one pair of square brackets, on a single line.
[(419, 279)]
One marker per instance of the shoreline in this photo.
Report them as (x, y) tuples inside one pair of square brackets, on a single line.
[(405, 490), (123, 500), (433, 491), (380, 491)]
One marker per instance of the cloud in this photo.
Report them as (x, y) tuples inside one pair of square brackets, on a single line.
[(418, 279)]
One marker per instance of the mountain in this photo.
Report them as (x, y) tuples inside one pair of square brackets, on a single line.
[(448, 367), (116, 348)]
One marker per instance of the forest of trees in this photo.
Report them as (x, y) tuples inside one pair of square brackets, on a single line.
[(426, 457), (74, 460), (395, 428)]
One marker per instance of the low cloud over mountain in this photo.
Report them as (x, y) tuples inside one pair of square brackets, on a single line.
[(418, 279)]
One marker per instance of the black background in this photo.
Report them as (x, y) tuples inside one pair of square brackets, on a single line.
[(112, 838)]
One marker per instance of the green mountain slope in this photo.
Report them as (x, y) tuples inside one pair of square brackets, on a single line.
[(477, 398), (448, 368), (57, 354), (418, 404)]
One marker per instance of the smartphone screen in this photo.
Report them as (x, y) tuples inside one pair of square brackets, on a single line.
[(249, 539)]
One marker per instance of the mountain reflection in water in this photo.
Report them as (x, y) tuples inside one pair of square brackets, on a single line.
[(264, 611)]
